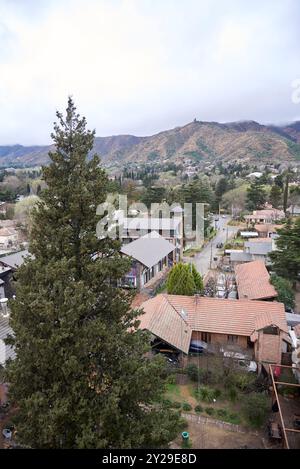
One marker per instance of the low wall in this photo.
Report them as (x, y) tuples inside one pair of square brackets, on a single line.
[(200, 419)]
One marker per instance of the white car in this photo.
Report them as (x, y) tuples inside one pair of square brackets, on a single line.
[(221, 293), (242, 361)]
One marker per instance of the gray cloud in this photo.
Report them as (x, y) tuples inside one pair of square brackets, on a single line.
[(141, 66)]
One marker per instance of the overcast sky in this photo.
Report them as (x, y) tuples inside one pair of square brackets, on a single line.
[(141, 66)]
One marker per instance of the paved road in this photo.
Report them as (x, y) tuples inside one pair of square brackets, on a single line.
[(204, 259)]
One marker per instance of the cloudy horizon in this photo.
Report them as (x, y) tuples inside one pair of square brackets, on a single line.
[(143, 66)]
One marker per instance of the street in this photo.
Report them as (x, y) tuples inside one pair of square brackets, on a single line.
[(204, 260)]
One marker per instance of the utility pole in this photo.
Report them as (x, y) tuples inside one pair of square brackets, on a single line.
[(211, 246)]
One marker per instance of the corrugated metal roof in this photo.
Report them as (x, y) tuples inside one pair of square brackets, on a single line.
[(6, 330), (148, 249), (16, 259), (253, 281), (259, 246), (240, 256)]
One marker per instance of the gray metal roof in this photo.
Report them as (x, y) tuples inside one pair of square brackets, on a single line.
[(240, 256), (16, 259), (6, 330), (148, 249), (262, 248), (292, 319)]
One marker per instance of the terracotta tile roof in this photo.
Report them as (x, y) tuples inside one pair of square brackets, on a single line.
[(162, 320), (163, 316), (266, 227), (253, 281), (261, 240)]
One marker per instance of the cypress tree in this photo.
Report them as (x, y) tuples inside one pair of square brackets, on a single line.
[(81, 378), (180, 280)]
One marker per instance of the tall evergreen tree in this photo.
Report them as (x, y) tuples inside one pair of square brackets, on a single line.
[(80, 378), (275, 196), (286, 258), (256, 195), (184, 279), (199, 286)]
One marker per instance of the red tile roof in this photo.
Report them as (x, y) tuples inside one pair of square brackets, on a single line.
[(164, 317), (253, 281), (162, 320)]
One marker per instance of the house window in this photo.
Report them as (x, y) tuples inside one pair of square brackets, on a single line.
[(206, 337), (232, 339)]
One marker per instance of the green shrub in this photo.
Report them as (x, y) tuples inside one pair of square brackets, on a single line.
[(186, 406), (243, 380), (207, 394), (210, 410), (192, 372), (175, 405), (233, 418), (255, 407), (198, 409), (222, 413), (171, 379), (166, 403), (232, 394)]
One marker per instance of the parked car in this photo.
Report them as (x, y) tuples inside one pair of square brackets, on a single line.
[(197, 346), (221, 293), (232, 295), (242, 361)]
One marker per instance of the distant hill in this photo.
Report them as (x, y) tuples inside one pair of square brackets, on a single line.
[(248, 141)]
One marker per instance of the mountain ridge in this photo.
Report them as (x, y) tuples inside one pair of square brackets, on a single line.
[(249, 141)]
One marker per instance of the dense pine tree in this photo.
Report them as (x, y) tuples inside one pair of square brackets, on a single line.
[(80, 378), (286, 258), (256, 195), (275, 197)]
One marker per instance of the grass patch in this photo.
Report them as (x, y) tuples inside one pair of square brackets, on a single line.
[(172, 389), (207, 394)]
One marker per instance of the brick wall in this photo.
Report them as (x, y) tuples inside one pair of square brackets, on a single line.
[(268, 347), (221, 339)]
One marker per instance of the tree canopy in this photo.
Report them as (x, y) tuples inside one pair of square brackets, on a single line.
[(286, 257), (81, 378), (184, 279)]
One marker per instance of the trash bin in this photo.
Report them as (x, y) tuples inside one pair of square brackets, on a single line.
[(185, 436)]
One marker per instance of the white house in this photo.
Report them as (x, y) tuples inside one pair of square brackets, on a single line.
[(8, 237)]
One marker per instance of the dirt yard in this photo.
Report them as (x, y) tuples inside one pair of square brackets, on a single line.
[(207, 436)]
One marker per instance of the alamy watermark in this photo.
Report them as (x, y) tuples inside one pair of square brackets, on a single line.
[(119, 221)]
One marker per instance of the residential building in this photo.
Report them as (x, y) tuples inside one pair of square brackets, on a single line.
[(6, 351), (268, 215), (151, 254), (259, 248), (268, 230), (170, 228), (294, 210), (257, 328), (253, 282), (8, 265), (8, 237), (254, 249)]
